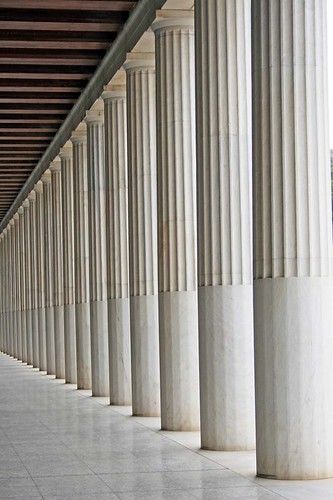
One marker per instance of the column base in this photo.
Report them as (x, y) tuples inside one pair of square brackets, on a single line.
[(119, 352), (35, 347), (179, 360), (145, 356), (50, 346), (42, 339), (293, 363), (226, 367)]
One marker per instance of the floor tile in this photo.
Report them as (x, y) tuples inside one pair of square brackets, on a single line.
[(71, 486)]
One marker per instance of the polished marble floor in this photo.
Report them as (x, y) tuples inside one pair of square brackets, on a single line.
[(57, 443)]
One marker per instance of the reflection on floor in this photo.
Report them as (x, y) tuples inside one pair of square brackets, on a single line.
[(57, 442)]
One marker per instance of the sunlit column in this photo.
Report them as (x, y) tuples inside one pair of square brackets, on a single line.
[(22, 285), (33, 280)]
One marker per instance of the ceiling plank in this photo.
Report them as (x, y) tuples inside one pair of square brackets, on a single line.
[(104, 5)]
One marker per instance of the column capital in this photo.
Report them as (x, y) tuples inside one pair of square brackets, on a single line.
[(32, 196), (20, 211), (173, 19), (46, 177), (66, 151), (11, 222), (55, 165), (16, 217), (26, 203), (139, 60), (96, 113), (38, 187), (79, 135), (117, 86)]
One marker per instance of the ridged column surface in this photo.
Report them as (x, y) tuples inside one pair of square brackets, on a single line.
[(11, 289), (5, 281), (48, 272), (142, 203), (58, 269), (40, 271), (293, 240), (81, 258), (22, 285), (66, 156), (97, 250), (117, 245), (176, 198), (17, 289), (223, 56), (2, 296), (33, 277), (27, 270)]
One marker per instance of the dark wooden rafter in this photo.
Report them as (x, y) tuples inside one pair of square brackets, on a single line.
[(49, 49)]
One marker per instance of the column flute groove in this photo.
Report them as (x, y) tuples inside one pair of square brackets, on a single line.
[(40, 271)]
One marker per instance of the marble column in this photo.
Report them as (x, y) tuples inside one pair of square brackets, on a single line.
[(14, 289), (33, 280), (2, 295), (293, 290), (48, 272), (97, 250), (11, 288), (81, 256), (143, 267), (176, 198), (27, 266), (223, 55), (5, 296), (22, 285), (117, 240), (66, 156), (57, 268), (17, 288), (40, 271)]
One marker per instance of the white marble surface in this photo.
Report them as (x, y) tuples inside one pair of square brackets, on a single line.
[(56, 442)]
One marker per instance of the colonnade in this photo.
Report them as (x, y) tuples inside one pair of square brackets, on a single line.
[(128, 269)]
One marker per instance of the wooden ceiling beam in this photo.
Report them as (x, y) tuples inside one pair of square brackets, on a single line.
[(104, 5), (35, 100), (57, 44), (62, 26), (56, 61)]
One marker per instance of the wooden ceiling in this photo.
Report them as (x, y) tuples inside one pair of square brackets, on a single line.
[(49, 49)]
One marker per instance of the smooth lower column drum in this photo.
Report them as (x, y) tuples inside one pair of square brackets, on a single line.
[(143, 268), (117, 240), (97, 250), (34, 279), (40, 271), (48, 272), (66, 156), (223, 78), (81, 257), (293, 291), (176, 199)]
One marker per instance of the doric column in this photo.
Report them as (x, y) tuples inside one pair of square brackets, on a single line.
[(223, 54), (141, 147), (81, 256), (48, 272), (2, 295), (33, 280), (293, 293), (117, 241), (14, 280), (17, 289), (40, 271), (97, 250), (66, 156), (58, 270), (11, 288), (5, 294), (176, 198), (27, 281), (22, 285)]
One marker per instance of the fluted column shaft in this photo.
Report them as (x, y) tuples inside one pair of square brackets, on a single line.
[(17, 288), (143, 268), (5, 298), (293, 293), (81, 253), (66, 156), (97, 250), (48, 272), (223, 55), (117, 245), (14, 290), (33, 280), (11, 288), (22, 285), (58, 271), (2, 296), (176, 198), (27, 266), (40, 271)]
